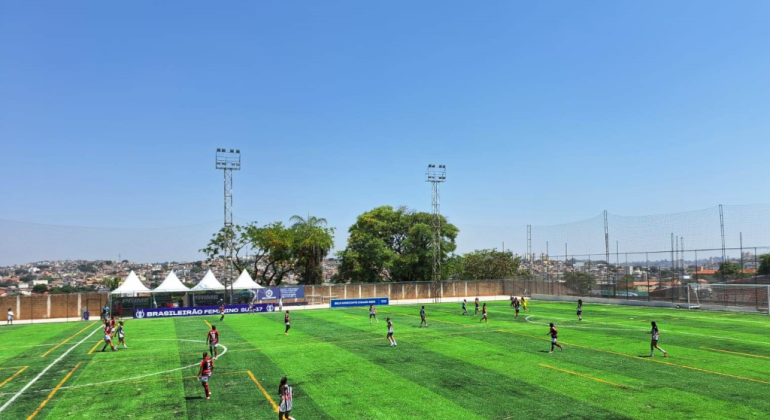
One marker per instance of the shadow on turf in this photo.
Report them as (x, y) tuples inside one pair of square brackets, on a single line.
[(193, 398)]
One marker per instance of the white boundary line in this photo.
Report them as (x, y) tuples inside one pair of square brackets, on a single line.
[(136, 377), (30, 383)]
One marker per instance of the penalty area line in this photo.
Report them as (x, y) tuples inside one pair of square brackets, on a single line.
[(583, 376), (53, 392), (47, 368), (65, 341), (261, 388)]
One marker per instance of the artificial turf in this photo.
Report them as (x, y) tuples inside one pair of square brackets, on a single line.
[(341, 367)]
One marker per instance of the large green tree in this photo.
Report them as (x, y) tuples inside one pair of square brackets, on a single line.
[(387, 244), (729, 269), (490, 264), (312, 243), (264, 251), (271, 252)]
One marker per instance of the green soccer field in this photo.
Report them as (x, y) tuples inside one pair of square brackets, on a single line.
[(341, 367)]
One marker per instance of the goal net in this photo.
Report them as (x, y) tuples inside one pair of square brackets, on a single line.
[(738, 296)]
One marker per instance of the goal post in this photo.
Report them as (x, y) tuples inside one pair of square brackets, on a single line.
[(749, 297)]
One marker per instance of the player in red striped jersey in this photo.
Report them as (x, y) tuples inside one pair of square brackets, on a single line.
[(204, 373), (213, 340), (108, 336), (484, 315), (222, 312), (287, 320), (554, 333)]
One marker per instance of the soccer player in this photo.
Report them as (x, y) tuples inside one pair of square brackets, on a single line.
[(513, 299), (10, 317), (516, 306), (112, 325), (222, 313), (477, 307), (580, 310), (204, 373), (373, 314), (422, 317), (554, 334), (484, 316), (655, 337), (288, 323), (122, 335), (213, 339), (524, 304), (390, 333), (108, 337), (287, 397), (465, 307)]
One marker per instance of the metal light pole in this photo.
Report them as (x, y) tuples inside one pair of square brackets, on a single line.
[(436, 174), (228, 161)]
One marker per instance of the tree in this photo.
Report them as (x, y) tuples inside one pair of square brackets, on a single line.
[(581, 283), (40, 288), (312, 243), (490, 264), (111, 282), (729, 269), (387, 244), (453, 267), (764, 265), (626, 283), (271, 246)]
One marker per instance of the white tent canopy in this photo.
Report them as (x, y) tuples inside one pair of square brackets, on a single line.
[(131, 285), (245, 282), (209, 282), (171, 284)]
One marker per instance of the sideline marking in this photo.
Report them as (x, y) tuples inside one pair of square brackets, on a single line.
[(45, 401), (583, 376), (65, 341), (39, 375), (253, 378), (648, 359), (730, 352), (134, 378), (23, 368)]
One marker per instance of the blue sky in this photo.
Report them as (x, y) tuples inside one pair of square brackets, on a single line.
[(543, 112)]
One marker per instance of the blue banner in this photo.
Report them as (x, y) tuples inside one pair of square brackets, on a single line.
[(200, 310), (279, 292), (346, 303)]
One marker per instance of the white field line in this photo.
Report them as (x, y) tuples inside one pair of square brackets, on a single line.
[(134, 378), (39, 375), (742, 340)]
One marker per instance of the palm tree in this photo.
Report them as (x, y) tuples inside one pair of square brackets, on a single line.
[(311, 221), (313, 243)]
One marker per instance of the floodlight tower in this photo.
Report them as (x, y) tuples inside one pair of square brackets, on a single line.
[(436, 174), (228, 161)]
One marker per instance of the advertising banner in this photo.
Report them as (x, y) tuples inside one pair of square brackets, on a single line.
[(200, 310), (282, 292), (347, 303)]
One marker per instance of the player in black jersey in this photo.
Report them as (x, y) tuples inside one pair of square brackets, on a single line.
[(422, 317)]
